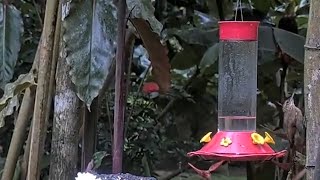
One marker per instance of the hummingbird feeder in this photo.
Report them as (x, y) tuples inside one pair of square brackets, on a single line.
[(236, 138)]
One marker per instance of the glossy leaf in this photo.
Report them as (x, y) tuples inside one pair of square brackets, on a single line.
[(302, 21), (184, 59), (144, 9), (13, 89), (187, 58), (210, 56), (203, 20), (196, 35), (290, 43), (11, 30), (89, 36)]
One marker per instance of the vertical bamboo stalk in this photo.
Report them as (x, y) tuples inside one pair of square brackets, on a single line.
[(19, 132), (40, 108), (25, 159)]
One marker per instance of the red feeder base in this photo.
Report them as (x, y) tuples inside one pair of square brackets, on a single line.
[(241, 148)]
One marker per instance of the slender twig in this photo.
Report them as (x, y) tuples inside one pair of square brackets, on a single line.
[(129, 43), (171, 102), (128, 80), (119, 91), (301, 174), (38, 13), (135, 100), (109, 117), (175, 173), (25, 160)]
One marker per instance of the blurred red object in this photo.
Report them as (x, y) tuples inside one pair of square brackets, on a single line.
[(150, 87)]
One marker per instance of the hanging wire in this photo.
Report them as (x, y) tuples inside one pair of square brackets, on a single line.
[(241, 11), (235, 17), (241, 14)]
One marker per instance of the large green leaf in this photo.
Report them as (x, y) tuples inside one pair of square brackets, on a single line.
[(185, 59), (89, 36), (189, 57), (144, 9), (210, 56), (196, 35), (290, 43), (267, 46), (11, 30)]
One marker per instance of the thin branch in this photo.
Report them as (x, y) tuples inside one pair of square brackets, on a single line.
[(129, 43), (109, 117), (38, 12), (25, 160), (135, 100), (172, 101)]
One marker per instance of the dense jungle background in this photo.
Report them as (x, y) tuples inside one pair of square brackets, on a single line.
[(169, 84)]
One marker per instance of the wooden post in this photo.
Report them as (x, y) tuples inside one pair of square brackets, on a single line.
[(119, 107), (312, 86)]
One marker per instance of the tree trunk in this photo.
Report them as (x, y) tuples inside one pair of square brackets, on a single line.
[(66, 124), (312, 86), (317, 166)]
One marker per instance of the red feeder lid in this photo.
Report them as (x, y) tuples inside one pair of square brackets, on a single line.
[(239, 30), (241, 148)]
